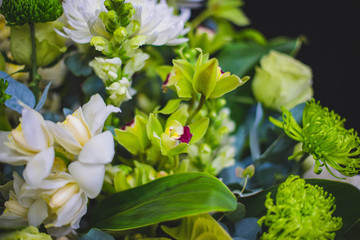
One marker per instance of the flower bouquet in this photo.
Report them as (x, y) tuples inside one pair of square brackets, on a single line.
[(147, 119)]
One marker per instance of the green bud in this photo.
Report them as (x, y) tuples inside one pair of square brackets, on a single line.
[(20, 12), (109, 5), (205, 77), (49, 45), (120, 34), (103, 45)]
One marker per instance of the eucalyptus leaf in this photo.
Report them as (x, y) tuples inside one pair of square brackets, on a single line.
[(94, 85), (346, 207), (18, 92), (78, 65), (166, 198), (251, 54), (42, 100), (95, 234), (247, 228)]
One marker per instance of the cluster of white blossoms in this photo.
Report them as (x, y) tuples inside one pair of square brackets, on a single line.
[(64, 166)]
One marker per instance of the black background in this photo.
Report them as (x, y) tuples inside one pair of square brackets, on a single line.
[(331, 28)]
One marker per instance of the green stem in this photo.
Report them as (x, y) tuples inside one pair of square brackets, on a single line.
[(245, 183), (197, 110), (200, 18), (33, 74)]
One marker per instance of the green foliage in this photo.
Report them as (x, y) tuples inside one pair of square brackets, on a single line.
[(301, 210), (3, 95), (199, 227), (20, 12), (167, 198), (28, 233), (95, 234)]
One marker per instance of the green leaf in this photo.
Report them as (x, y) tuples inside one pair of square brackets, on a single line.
[(234, 15), (346, 195), (180, 115), (93, 85), (198, 129), (95, 234), (200, 227), (170, 107), (227, 84), (166, 198), (251, 54)]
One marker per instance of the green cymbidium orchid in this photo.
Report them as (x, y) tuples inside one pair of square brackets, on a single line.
[(300, 211), (324, 137)]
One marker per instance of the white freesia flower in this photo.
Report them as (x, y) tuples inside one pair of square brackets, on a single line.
[(120, 91), (158, 23), (84, 21), (59, 202), (30, 143), (81, 134), (106, 68)]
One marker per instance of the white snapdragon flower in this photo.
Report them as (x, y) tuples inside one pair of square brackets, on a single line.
[(120, 91), (106, 68), (84, 21), (158, 23), (81, 134), (135, 63), (30, 144)]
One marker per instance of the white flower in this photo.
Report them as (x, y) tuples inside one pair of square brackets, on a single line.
[(120, 91), (81, 134), (189, 3), (158, 23), (135, 63), (30, 143), (84, 21), (106, 68)]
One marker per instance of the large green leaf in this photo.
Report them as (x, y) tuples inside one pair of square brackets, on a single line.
[(347, 202), (167, 198), (241, 57)]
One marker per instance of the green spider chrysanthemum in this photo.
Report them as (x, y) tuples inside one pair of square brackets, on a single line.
[(324, 137), (302, 211), (20, 12)]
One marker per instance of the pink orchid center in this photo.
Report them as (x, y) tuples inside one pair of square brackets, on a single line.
[(186, 136)]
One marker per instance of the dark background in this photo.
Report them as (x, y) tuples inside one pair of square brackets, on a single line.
[(331, 28)]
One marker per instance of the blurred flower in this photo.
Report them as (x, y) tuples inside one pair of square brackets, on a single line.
[(28, 233), (4, 34), (120, 91), (158, 23), (300, 211), (83, 19), (324, 137), (190, 3), (282, 81), (49, 45), (56, 74), (107, 69), (29, 144)]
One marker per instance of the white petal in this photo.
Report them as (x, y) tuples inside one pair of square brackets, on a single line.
[(64, 137), (96, 112), (37, 212), (70, 210), (60, 231), (98, 150), (10, 221), (32, 127), (8, 155), (89, 177), (39, 167)]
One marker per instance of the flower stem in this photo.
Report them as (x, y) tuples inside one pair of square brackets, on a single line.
[(197, 110), (35, 80), (200, 18)]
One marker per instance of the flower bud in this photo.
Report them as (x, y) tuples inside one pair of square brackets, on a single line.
[(120, 91), (282, 81), (49, 45), (63, 195), (107, 69), (16, 208), (79, 129), (205, 77), (103, 45)]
